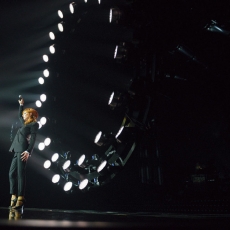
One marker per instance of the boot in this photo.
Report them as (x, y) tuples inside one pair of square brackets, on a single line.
[(20, 203), (13, 201)]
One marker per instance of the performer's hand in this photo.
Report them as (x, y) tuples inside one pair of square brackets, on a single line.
[(25, 156), (21, 102)]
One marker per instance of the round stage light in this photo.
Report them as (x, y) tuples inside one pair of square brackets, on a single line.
[(45, 58), (52, 49), (56, 178), (66, 164), (60, 27), (55, 157), (38, 103), (115, 52), (81, 160), (83, 184), (47, 141), (68, 185), (46, 73), (111, 98), (60, 14), (114, 14), (51, 35), (97, 138), (41, 146), (41, 80), (43, 120), (110, 15), (43, 97), (119, 132), (101, 166), (40, 125), (71, 7), (47, 164)]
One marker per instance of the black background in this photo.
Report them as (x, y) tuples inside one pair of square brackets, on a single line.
[(192, 115)]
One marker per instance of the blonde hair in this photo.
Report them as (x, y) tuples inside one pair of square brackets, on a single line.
[(33, 116)]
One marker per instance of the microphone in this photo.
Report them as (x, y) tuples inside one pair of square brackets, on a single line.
[(20, 97)]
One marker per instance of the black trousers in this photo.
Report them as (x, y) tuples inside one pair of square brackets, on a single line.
[(17, 175)]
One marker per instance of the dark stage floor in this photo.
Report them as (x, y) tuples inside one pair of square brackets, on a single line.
[(47, 218)]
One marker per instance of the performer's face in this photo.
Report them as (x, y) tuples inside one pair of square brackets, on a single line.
[(26, 116)]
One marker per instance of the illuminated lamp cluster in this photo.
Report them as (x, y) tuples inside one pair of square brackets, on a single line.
[(96, 170)]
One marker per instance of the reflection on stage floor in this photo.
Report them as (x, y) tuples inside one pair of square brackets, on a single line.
[(68, 219)]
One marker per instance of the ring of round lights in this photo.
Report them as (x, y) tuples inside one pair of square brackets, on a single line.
[(87, 172)]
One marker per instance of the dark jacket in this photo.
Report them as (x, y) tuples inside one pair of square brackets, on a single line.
[(25, 136)]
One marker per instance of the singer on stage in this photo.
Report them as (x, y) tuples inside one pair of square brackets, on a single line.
[(22, 147)]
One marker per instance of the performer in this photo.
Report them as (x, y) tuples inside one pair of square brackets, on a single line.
[(22, 147)]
